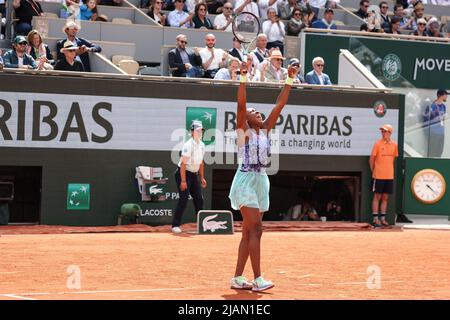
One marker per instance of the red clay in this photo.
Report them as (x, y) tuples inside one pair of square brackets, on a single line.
[(414, 264)]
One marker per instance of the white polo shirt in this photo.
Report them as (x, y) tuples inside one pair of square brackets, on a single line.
[(195, 152), (205, 54)]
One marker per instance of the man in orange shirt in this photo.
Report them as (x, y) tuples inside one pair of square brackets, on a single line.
[(381, 163)]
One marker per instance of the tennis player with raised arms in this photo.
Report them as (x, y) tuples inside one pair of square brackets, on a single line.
[(249, 191)]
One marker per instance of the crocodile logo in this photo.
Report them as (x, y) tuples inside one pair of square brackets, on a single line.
[(213, 225), (155, 190)]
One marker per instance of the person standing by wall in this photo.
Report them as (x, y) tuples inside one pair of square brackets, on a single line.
[(434, 117), (189, 170), (381, 163)]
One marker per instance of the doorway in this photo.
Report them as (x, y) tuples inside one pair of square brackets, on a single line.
[(21, 189)]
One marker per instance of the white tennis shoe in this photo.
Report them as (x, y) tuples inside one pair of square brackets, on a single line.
[(260, 284), (241, 283), (176, 230)]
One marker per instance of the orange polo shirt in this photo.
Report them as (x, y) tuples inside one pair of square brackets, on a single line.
[(384, 154)]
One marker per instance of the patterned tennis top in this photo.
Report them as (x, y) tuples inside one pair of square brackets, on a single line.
[(254, 155)]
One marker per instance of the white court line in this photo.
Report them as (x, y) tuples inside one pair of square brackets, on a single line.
[(94, 292), (15, 296), (389, 281)]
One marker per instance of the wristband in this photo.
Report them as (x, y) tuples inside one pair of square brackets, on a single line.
[(289, 81), (243, 78)]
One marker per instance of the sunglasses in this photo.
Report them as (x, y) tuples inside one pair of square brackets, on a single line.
[(297, 14), (182, 41), (22, 43), (366, 6), (228, 8), (422, 24), (319, 65)]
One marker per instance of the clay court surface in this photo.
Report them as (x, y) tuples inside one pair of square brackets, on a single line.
[(414, 264)]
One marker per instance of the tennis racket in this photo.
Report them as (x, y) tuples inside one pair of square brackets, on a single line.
[(246, 27)]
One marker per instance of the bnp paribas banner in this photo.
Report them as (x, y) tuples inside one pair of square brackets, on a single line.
[(35, 120), (395, 62)]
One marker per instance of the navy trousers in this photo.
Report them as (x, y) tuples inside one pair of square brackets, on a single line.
[(194, 189)]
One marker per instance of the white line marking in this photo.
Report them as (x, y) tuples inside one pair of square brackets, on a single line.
[(15, 296), (389, 281), (95, 291)]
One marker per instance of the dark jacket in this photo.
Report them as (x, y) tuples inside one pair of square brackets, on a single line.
[(198, 23), (65, 66), (361, 14), (175, 61), (84, 57), (11, 60), (152, 15), (27, 10), (235, 53), (48, 54)]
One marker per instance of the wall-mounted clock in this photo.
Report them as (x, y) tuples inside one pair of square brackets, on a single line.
[(428, 186)]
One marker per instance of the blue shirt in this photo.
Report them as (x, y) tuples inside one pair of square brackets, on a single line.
[(176, 17), (434, 117), (85, 12)]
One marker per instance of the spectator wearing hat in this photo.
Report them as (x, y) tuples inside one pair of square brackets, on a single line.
[(419, 10), (179, 18), (434, 117), (189, 175), (385, 20), (326, 22), (273, 71), (71, 29), (381, 163), (316, 76), (184, 61), (275, 30), (25, 11), (421, 29), (17, 57), (434, 28), (296, 63), (69, 63)]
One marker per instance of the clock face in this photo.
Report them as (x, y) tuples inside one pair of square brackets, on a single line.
[(428, 186)]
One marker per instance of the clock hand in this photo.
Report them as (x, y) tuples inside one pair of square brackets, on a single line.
[(428, 186)]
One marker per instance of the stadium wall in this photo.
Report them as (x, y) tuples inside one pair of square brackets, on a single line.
[(95, 131)]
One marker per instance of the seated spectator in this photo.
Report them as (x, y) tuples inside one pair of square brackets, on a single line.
[(184, 61), (229, 73), (154, 12), (316, 76), (260, 53), (200, 20), (296, 24), (373, 22), (419, 11), (385, 20), (17, 57), (318, 4), (327, 21), (264, 6), (88, 10), (294, 212), (224, 20), (246, 6), (363, 7), (70, 9), (25, 11), (286, 9), (421, 28), (400, 14), (68, 62), (236, 51), (333, 211), (275, 30), (395, 25), (296, 62), (434, 28), (71, 29), (178, 17), (39, 51), (309, 212), (273, 71), (212, 59), (253, 73), (169, 5)]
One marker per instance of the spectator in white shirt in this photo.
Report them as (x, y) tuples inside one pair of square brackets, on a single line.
[(212, 59), (247, 6), (264, 5), (274, 29), (260, 53), (178, 17), (224, 20)]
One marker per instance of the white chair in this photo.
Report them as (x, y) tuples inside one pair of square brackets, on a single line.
[(129, 66), (122, 21)]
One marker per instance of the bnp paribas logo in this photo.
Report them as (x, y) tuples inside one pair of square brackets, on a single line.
[(78, 196), (208, 117), (392, 67)]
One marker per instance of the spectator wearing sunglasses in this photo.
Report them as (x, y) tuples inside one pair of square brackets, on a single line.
[(200, 20), (385, 20), (363, 8), (297, 23), (274, 71), (183, 61), (17, 57), (421, 28), (154, 12), (316, 76), (224, 20)]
